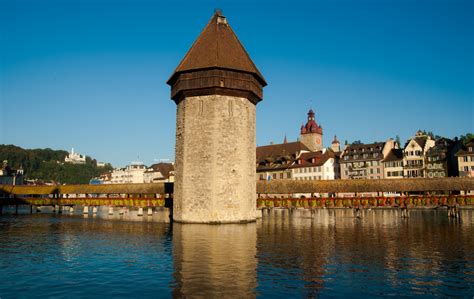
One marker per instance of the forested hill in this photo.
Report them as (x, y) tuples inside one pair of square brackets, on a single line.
[(47, 164)]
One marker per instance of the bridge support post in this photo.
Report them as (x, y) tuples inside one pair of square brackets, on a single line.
[(111, 210), (71, 210), (94, 210), (150, 211), (405, 213), (453, 212), (121, 211), (140, 212), (85, 210)]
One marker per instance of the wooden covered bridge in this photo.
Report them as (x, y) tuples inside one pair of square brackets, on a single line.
[(440, 191)]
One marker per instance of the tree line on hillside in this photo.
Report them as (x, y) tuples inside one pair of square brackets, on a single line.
[(48, 165)]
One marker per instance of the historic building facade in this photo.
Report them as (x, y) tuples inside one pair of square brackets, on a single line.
[(465, 158), (321, 165), (393, 164), (304, 159), (75, 158), (441, 160), (364, 161), (414, 155)]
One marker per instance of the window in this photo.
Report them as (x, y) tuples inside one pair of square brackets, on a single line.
[(346, 157), (464, 159), (466, 168)]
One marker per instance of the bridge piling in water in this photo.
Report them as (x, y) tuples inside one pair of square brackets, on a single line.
[(453, 211), (85, 210)]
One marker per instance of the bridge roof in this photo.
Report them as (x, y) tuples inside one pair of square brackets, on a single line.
[(155, 188)]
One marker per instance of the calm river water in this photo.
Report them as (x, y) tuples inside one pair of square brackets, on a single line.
[(332, 254)]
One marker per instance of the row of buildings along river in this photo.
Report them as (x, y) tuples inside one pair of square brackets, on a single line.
[(309, 159)]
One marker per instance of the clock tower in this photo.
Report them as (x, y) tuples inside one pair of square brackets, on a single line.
[(312, 134)]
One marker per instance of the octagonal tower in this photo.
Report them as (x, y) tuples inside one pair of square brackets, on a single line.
[(216, 88)]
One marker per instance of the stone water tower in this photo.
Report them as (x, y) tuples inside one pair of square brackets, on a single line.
[(216, 88)]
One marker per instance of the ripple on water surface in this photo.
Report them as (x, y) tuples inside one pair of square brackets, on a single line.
[(332, 254)]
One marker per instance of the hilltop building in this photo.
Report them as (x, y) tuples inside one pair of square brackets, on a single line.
[(75, 158)]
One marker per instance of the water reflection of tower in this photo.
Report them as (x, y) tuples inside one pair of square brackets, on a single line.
[(214, 260)]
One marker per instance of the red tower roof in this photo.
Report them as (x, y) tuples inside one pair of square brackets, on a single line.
[(311, 126)]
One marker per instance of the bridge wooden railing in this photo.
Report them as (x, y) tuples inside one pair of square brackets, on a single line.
[(138, 195), (155, 194), (366, 202)]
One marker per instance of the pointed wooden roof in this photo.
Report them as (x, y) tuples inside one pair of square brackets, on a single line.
[(217, 47)]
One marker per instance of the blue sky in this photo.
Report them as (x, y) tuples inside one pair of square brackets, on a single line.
[(91, 74)]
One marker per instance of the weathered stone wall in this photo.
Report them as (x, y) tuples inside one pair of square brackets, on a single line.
[(309, 140), (215, 177)]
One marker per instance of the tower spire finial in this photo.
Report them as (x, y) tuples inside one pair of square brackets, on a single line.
[(218, 11)]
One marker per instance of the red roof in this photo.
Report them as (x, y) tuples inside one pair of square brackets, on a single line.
[(311, 126)]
